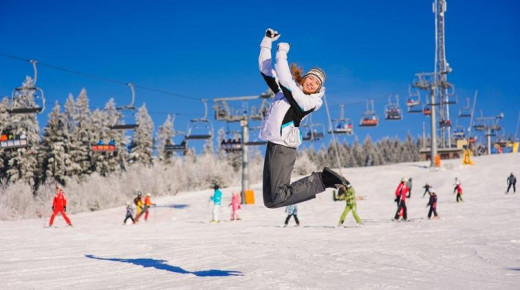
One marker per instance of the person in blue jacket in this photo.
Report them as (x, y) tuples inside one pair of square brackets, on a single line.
[(217, 201), (296, 96)]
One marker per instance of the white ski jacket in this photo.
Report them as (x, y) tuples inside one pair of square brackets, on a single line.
[(290, 105)]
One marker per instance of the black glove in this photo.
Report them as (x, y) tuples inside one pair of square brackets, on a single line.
[(53, 208), (65, 208), (271, 33), (396, 199)]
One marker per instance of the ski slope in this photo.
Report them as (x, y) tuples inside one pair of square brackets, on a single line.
[(475, 244)]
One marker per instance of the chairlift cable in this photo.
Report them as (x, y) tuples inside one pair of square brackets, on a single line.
[(333, 135), (100, 78)]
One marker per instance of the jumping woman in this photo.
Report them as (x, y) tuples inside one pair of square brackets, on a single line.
[(296, 96)]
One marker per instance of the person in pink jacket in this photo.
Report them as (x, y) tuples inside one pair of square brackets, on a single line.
[(59, 205), (235, 206), (400, 198)]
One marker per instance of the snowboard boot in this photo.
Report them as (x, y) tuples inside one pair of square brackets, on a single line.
[(332, 179)]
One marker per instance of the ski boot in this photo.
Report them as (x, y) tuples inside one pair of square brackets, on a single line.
[(332, 179)]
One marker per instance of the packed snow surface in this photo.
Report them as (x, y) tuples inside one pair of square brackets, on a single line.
[(474, 244)]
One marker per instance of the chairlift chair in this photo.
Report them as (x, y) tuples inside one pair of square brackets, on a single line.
[(100, 146), (342, 125), (369, 117), (465, 112), (392, 110), (458, 133), (11, 140), (427, 110), (171, 145), (120, 125), (413, 103), (19, 105), (200, 129)]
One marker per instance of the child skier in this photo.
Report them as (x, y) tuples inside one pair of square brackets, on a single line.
[(432, 203), (217, 200), (426, 189), (400, 198), (296, 96), (458, 190), (138, 201), (292, 210), (129, 213), (235, 206), (59, 205), (147, 204), (348, 194)]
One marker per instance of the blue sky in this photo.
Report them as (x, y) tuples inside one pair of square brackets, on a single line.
[(209, 49)]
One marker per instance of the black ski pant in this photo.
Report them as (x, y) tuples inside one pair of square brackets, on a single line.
[(278, 190), (513, 185), (295, 219), (402, 205), (129, 216), (459, 197), (432, 210)]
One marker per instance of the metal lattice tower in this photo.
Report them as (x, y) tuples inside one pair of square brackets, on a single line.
[(440, 91)]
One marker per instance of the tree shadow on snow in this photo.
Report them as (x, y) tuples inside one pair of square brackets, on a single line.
[(514, 268), (161, 265)]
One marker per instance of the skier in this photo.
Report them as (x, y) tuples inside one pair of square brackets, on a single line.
[(348, 194), (296, 96), (409, 185), (432, 203), (292, 210), (217, 199), (511, 181), (427, 188), (129, 213), (235, 206), (458, 190), (59, 205), (138, 201), (400, 198), (147, 204)]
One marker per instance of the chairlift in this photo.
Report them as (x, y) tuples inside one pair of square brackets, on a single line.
[(101, 146), (120, 125), (458, 133), (232, 141), (200, 129), (314, 131), (392, 110), (427, 110), (451, 97), (342, 125), (445, 123), (171, 146), (413, 103), (11, 140), (20, 104), (369, 117), (465, 112)]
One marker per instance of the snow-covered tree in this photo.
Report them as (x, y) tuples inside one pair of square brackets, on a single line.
[(141, 148), (22, 162), (164, 137)]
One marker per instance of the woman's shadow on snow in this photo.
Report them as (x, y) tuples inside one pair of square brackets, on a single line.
[(161, 265)]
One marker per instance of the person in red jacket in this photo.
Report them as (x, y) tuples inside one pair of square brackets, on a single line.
[(458, 190), (400, 198), (59, 205), (147, 204)]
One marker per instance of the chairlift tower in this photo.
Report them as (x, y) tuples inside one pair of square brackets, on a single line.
[(436, 84), (223, 112), (490, 126)]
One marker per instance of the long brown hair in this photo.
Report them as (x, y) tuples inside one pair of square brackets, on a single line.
[(297, 73)]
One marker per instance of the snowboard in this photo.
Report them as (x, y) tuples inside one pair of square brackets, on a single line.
[(145, 208)]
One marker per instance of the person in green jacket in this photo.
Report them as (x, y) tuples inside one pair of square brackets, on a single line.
[(348, 194)]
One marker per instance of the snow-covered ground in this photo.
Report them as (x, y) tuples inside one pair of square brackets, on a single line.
[(475, 244)]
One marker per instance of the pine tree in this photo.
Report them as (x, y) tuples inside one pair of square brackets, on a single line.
[(22, 162), (141, 148), (54, 157), (164, 137)]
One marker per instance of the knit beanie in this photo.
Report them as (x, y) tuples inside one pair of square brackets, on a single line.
[(317, 73)]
